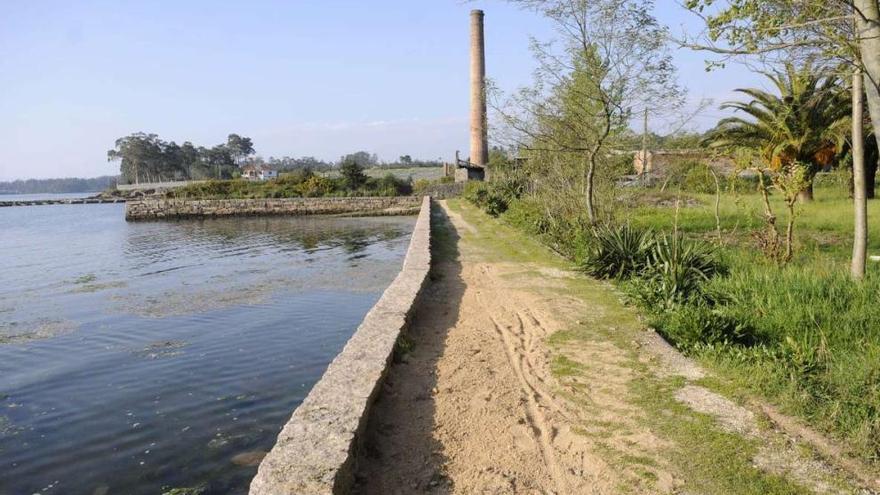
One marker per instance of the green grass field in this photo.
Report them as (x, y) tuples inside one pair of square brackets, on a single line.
[(817, 332), (823, 227)]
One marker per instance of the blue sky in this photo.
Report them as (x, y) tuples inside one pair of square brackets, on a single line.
[(306, 77)]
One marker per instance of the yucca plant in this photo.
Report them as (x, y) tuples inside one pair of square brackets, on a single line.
[(618, 252), (676, 268)]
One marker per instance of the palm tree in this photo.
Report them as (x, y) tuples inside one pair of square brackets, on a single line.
[(806, 125)]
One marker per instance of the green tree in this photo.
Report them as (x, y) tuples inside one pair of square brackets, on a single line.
[(353, 174), (611, 62), (842, 30), (218, 160), (239, 148), (363, 158), (190, 160), (140, 157), (805, 125)]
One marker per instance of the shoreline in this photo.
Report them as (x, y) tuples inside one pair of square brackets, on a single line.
[(93, 200)]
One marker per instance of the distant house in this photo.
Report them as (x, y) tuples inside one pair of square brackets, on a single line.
[(258, 172)]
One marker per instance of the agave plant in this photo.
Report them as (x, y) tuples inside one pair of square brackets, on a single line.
[(804, 126), (677, 268), (618, 252)]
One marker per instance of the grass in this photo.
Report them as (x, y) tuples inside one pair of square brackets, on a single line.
[(822, 227), (708, 459), (718, 458), (818, 345)]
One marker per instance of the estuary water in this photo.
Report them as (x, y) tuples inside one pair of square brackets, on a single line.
[(164, 357), (42, 196)]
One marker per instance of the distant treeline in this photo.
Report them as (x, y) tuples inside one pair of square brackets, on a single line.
[(66, 185), (147, 158), (364, 159)]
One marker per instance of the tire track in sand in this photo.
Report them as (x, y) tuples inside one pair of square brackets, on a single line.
[(518, 357)]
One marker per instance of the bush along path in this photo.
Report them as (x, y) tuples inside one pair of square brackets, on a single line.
[(521, 375)]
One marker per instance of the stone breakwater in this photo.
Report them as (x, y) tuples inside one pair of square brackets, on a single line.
[(157, 209), (315, 450), (72, 201)]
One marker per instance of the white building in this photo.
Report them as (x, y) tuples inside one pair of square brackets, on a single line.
[(258, 172)]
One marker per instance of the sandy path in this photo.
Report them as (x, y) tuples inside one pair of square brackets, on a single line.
[(474, 407), (485, 417)]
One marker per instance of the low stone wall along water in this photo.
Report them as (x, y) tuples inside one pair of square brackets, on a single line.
[(156, 209), (315, 450)]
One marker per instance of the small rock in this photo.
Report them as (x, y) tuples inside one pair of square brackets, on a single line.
[(252, 458)]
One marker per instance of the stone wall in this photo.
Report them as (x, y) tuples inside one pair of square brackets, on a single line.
[(315, 451), (660, 162), (443, 191), (464, 174), (155, 209)]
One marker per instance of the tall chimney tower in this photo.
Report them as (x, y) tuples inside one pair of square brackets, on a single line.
[(479, 133)]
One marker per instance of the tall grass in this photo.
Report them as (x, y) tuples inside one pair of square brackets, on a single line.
[(817, 347)]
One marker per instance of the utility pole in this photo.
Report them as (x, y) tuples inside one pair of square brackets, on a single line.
[(645, 145)]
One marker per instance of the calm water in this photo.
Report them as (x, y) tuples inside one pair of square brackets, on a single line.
[(137, 358), (41, 196)]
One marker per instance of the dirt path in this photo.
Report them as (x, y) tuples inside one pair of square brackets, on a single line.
[(523, 377)]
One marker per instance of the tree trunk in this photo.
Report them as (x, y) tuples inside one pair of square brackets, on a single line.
[(591, 171), (717, 202), (868, 29), (860, 205), (850, 188), (789, 233), (806, 195)]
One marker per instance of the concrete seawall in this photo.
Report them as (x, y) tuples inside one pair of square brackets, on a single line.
[(156, 209), (315, 452)]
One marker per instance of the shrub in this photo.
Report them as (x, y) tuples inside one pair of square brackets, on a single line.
[(295, 177), (487, 196), (698, 179), (618, 252), (421, 185), (352, 174), (476, 193), (527, 215), (390, 185), (676, 269), (315, 186)]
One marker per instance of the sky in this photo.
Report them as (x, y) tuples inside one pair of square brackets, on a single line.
[(300, 77)]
